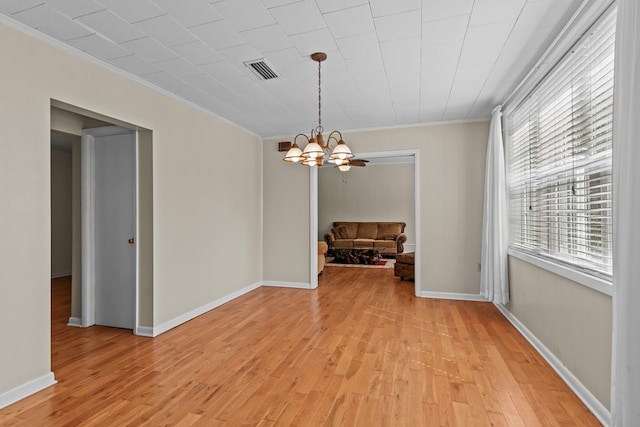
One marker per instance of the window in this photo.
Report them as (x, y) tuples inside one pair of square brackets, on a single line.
[(559, 158)]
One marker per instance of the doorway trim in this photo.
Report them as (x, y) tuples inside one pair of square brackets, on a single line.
[(313, 205), (87, 202)]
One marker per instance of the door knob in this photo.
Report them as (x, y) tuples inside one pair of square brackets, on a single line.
[(131, 241)]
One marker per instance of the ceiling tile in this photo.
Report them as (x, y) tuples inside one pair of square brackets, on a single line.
[(433, 10), (134, 65), (235, 11), (478, 60), (163, 80), (359, 46), (537, 14), (399, 26), (111, 26), (74, 8), (350, 22), (237, 55), (266, 39), (439, 76), (178, 67), (203, 82), (444, 30), (197, 53), (488, 35), (492, 11), (299, 17), (13, 6), (398, 50), (166, 30), (189, 12), (221, 70), (149, 49), (99, 47), (447, 51), (218, 34), (314, 41), (133, 11), (366, 65), (52, 23), (285, 59), (333, 5), (268, 3), (386, 7)]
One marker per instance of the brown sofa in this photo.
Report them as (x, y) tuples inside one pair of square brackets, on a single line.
[(387, 237)]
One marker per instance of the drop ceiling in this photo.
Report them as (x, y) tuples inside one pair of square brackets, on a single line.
[(390, 62)]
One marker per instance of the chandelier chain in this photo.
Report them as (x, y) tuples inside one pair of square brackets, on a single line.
[(319, 129)]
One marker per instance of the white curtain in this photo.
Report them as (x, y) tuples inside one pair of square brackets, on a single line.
[(625, 388), (494, 284)]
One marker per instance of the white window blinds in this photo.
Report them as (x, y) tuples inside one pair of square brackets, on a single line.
[(559, 147)]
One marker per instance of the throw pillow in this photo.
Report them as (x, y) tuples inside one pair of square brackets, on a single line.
[(340, 232)]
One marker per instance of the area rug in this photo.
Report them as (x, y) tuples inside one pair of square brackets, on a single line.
[(383, 263)]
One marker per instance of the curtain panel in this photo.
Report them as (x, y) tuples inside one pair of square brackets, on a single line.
[(494, 284)]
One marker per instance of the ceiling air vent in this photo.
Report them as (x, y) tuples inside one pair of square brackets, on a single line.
[(262, 69)]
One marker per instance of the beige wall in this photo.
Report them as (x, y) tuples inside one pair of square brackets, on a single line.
[(574, 322), (372, 193), (207, 213), (61, 197), (451, 167)]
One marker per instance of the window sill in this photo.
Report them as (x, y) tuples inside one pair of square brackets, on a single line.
[(592, 282)]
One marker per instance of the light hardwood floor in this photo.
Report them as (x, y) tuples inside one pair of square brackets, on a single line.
[(360, 350)]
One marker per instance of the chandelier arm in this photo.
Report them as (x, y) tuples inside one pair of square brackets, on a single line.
[(332, 138), (301, 134)]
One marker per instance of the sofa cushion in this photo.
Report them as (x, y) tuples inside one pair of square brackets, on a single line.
[(384, 244), (385, 230), (343, 243), (340, 232), (367, 230), (362, 243)]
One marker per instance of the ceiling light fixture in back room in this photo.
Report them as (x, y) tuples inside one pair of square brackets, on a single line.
[(317, 149)]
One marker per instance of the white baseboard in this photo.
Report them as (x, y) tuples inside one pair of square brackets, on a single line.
[(409, 247), (26, 389), (294, 285), (144, 331), (598, 409), (62, 274), (452, 295), (75, 322), (164, 327)]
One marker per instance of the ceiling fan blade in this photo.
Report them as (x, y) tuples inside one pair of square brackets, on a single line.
[(358, 162)]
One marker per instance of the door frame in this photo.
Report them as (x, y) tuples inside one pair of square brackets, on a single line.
[(313, 204), (87, 203)]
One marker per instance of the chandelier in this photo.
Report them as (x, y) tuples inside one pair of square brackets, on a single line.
[(317, 149)]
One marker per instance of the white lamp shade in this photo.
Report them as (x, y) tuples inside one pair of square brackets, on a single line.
[(312, 150), (341, 152), (313, 161), (294, 154), (344, 168)]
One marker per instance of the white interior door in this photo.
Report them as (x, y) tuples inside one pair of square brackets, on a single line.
[(114, 167)]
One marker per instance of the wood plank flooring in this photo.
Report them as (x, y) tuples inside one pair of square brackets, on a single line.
[(360, 350)]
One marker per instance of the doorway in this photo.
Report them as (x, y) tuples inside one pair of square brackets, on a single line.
[(75, 121), (397, 157)]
